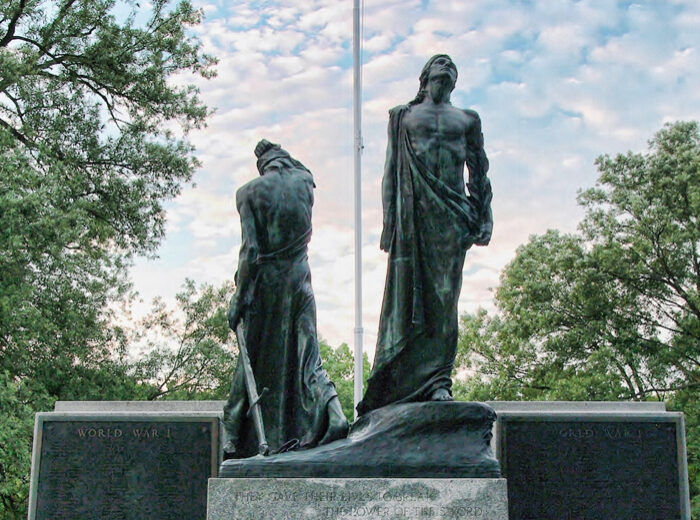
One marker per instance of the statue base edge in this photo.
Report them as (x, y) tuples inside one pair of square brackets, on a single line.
[(447, 439)]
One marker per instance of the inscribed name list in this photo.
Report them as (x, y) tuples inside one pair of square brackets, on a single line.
[(123, 470)]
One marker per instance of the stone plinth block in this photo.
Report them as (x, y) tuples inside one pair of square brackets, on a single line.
[(122, 466), (352, 498), (413, 440), (591, 466)]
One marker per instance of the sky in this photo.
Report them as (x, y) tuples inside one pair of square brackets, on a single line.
[(556, 83)]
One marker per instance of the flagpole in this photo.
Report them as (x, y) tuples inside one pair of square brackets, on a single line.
[(357, 120)]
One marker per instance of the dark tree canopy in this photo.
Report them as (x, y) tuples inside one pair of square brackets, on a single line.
[(186, 353), (93, 127), (339, 362), (91, 143)]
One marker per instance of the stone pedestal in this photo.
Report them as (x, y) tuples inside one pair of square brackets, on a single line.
[(122, 465), (353, 498)]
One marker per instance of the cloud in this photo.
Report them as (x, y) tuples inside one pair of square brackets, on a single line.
[(556, 84)]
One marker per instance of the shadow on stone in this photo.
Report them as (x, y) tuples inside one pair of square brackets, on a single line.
[(426, 439)]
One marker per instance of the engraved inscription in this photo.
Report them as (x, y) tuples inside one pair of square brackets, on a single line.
[(373, 504), (116, 433), (590, 470), (123, 470), (357, 498), (101, 433), (576, 433)]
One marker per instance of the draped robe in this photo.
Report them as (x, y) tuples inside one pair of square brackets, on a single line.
[(427, 230), (279, 320)]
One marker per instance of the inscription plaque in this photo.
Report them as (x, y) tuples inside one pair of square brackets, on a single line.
[(122, 468), (357, 498), (627, 467)]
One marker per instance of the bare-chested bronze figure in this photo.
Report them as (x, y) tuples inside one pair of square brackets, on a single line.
[(429, 223)]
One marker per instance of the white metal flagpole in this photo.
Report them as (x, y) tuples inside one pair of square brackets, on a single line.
[(357, 119)]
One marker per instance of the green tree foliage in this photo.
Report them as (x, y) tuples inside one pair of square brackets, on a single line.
[(612, 312), (92, 141), (187, 353), (87, 157), (559, 333), (340, 365), (17, 403)]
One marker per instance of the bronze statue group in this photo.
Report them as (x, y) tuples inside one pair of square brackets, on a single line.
[(430, 221)]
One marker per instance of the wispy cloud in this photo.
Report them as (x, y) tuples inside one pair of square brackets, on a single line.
[(556, 84)]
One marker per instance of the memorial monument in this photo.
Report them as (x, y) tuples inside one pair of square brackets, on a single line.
[(429, 223), (275, 304), (406, 428), (413, 452)]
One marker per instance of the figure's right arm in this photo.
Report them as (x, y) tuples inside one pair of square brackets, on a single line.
[(246, 259), (389, 185), (479, 185)]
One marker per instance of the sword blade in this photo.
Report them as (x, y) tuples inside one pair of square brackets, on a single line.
[(252, 389)]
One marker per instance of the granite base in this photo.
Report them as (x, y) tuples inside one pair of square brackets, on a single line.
[(356, 498)]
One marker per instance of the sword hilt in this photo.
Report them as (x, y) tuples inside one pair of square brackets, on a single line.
[(254, 403)]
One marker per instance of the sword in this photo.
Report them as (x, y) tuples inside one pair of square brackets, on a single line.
[(253, 397)]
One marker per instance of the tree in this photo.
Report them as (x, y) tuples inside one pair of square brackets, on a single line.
[(186, 353), (92, 141), (340, 364), (643, 221), (87, 158), (16, 425), (614, 311), (559, 333)]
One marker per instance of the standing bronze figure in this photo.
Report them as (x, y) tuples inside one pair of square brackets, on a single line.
[(275, 302), (429, 223)]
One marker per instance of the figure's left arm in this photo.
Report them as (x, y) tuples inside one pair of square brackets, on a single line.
[(479, 185)]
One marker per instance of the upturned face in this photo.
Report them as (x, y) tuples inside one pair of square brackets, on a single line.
[(443, 66)]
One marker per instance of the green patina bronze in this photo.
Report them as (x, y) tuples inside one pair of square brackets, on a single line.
[(429, 224), (275, 302)]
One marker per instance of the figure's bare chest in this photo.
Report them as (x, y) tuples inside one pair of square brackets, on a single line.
[(438, 136), (441, 124)]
